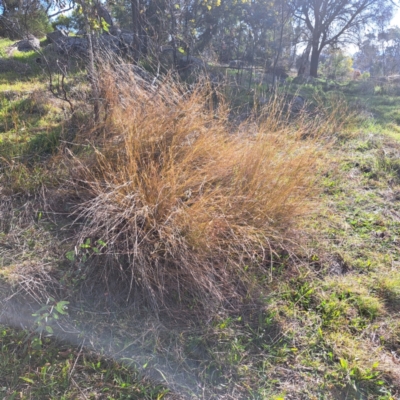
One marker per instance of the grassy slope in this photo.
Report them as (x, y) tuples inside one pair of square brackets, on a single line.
[(329, 328)]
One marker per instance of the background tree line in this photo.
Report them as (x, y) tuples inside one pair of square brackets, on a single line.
[(274, 34)]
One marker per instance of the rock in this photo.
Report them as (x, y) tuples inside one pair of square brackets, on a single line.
[(114, 31), (146, 76), (116, 41), (127, 42), (28, 44), (190, 60), (188, 65), (127, 38), (56, 36), (393, 79), (297, 104), (78, 46), (109, 42), (141, 75), (72, 45)]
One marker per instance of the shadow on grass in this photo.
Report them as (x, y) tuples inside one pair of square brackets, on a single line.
[(190, 357)]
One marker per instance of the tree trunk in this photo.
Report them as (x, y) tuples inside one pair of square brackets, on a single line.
[(278, 52), (92, 58), (173, 35), (135, 10), (314, 61), (304, 61)]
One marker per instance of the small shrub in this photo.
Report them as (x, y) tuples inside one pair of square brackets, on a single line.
[(184, 202)]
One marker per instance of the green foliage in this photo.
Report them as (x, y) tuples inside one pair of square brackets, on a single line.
[(389, 289), (334, 311), (365, 75), (336, 65), (62, 21), (38, 24), (29, 127), (85, 252), (31, 20), (48, 314), (300, 293), (72, 22)]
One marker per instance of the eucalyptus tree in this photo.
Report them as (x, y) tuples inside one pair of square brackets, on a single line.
[(379, 53), (20, 17), (392, 50), (332, 22)]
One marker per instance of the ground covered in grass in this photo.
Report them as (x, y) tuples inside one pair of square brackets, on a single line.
[(52, 370), (317, 317)]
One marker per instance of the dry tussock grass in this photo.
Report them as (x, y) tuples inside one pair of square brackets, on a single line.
[(189, 210)]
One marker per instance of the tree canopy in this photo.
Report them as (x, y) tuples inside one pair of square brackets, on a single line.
[(330, 22)]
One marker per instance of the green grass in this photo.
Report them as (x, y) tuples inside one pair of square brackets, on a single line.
[(30, 127), (32, 368), (4, 45)]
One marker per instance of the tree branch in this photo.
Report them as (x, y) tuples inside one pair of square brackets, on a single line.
[(61, 11)]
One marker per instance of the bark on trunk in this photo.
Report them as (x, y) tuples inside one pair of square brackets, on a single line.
[(278, 53), (304, 61), (93, 78), (314, 61), (91, 65), (135, 28)]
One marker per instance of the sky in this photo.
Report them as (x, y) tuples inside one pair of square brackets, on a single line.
[(396, 19)]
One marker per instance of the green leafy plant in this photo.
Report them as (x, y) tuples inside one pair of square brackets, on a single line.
[(47, 314), (85, 251)]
